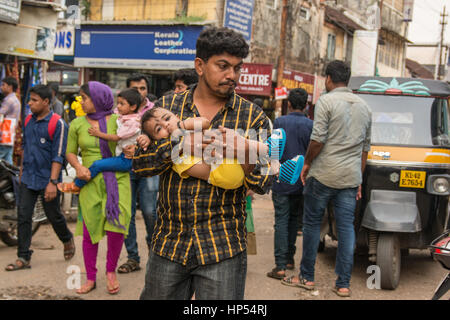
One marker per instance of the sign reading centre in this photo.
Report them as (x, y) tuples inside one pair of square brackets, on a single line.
[(255, 79), (136, 47)]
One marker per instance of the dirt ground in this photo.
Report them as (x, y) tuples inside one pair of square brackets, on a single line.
[(48, 278)]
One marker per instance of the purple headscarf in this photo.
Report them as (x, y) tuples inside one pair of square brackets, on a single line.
[(102, 97)]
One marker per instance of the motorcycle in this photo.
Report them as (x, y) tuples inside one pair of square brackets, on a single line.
[(440, 251), (9, 182)]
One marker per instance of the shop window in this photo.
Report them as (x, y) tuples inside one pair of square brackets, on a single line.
[(331, 46), (273, 4), (304, 13)]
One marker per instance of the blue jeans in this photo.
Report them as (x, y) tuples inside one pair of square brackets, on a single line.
[(168, 280), (286, 226), (6, 153), (147, 191), (119, 163), (317, 196)]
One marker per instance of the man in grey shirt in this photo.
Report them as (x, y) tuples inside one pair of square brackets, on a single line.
[(56, 105), (334, 163)]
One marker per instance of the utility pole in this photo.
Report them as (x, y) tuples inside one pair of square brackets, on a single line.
[(282, 53), (441, 44)]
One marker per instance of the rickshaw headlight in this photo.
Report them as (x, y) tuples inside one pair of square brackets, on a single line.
[(440, 185)]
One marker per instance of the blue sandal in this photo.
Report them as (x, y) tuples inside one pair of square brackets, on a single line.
[(276, 143), (290, 170)]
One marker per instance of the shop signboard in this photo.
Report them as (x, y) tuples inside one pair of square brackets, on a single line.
[(239, 17), (136, 46), (255, 79), (295, 79), (65, 41), (10, 11)]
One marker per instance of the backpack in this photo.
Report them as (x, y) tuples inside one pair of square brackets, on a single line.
[(51, 124)]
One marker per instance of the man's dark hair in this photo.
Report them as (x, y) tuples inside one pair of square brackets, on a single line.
[(10, 81), (132, 96), (138, 77), (298, 98), (42, 91), (151, 97), (259, 102), (218, 40), (188, 76), (55, 87), (339, 71)]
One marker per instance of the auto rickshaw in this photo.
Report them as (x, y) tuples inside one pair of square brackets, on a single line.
[(406, 183)]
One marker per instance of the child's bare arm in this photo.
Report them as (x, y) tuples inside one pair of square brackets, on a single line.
[(195, 123), (97, 133), (200, 170)]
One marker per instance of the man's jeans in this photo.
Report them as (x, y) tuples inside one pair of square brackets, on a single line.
[(52, 210), (6, 153), (147, 190), (317, 196), (286, 227), (168, 280)]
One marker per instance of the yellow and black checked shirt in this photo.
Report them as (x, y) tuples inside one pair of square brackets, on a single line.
[(193, 214)]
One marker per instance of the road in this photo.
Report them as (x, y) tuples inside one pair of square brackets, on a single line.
[(48, 277)]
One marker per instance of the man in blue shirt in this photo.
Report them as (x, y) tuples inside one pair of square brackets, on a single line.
[(288, 199), (44, 147)]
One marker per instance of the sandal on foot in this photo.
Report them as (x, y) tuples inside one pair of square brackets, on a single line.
[(274, 274), (86, 288), (302, 283), (69, 249), (341, 293), (68, 187), (129, 266), (113, 286), (20, 264)]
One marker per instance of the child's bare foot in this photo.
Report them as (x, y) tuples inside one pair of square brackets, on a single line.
[(68, 187)]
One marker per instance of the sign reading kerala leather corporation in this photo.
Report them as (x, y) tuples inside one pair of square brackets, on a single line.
[(255, 79)]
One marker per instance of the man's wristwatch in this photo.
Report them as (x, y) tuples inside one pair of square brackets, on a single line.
[(54, 181)]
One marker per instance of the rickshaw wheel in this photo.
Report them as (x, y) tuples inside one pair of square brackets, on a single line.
[(389, 260)]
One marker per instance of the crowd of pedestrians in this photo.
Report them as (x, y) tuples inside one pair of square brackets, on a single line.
[(193, 191)]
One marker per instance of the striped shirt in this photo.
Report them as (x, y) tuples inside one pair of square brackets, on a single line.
[(197, 220)]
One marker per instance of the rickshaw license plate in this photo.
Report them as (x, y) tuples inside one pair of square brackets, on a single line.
[(412, 179)]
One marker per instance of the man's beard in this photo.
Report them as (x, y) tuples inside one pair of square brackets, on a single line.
[(224, 95)]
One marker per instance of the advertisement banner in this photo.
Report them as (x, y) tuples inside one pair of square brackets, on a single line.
[(10, 11), (239, 17), (281, 93), (295, 79), (364, 53), (136, 46), (255, 79)]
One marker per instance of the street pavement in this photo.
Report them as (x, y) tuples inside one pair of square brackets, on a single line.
[(48, 278)]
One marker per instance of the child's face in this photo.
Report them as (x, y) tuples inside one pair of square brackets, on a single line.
[(124, 107), (162, 125), (37, 105)]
